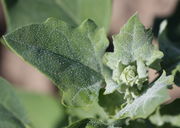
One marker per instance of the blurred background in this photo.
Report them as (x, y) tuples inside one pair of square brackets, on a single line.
[(24, 76)]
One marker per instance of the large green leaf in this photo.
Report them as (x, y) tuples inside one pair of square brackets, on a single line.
[(69, 56), (147, 103), (12, 114), (23, 12)]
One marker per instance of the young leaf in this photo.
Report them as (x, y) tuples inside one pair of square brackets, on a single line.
[(12, 115), (22, 12), (133, 55), (147, 103), (69, 56), (133, 44)]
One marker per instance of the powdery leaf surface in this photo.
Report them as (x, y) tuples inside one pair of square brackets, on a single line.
[(69, 56), (147, 103)]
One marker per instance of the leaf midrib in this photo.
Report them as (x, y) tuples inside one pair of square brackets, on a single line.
[(50, 51)]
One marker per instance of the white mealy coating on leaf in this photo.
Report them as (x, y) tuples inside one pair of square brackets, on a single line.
[(129, 76), (69, 56), (133, 55), (144, 105)]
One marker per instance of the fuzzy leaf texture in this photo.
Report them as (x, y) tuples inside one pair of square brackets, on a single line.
[(125, 123), (133, 55), (88, 123), (12, 114), (69, 56), (147, 103), (22, 12)]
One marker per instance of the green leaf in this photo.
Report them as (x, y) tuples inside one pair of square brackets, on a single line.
[(43, 110), (167, 114), (147, 103), (23, 12), (133, 55), (69, 56), (127, 123), (171, 60), (133, 44), (92, 111), (169, 43), (176, 74), (111, 102), (171, 109), (162, 120), (111, 85), (88, 123), (12, 114)]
